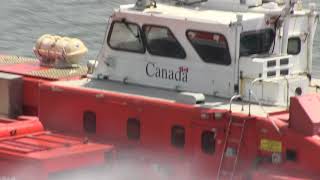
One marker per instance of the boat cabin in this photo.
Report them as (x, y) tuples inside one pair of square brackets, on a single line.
[(264, 50)]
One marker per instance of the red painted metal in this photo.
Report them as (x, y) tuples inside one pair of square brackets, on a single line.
[(31, 95), (21, 69), (305, 113), (274, 175), (38, 155), (23, 125), (61, 108), (158, 116)]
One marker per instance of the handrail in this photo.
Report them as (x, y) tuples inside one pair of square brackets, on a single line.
[(272, 121), (260, 105), (237, 96), (250, 92), (287, 91)]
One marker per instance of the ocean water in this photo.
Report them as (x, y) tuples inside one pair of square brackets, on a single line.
[(23, 21)]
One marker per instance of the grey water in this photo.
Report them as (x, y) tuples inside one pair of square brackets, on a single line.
[(22, 22)]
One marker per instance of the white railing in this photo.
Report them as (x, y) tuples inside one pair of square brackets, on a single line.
[(266, 67)]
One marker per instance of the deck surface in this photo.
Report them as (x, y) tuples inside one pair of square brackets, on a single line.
[(168, 95), (30, 67)]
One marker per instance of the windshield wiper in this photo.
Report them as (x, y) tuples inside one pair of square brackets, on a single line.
[(136, 35)]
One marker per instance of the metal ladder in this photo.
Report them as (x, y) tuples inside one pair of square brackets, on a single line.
[(221, 171)]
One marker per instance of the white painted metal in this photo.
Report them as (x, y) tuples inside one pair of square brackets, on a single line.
[(275, 91), (312, 25), (132, 67), (213, 79), (190, 98), (257, 67), (234, 5)]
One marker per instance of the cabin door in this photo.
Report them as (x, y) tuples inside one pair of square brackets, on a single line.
[(207, 147)]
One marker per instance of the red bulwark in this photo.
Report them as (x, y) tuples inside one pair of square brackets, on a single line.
[(38, 155), (305, 113), (33, 74)]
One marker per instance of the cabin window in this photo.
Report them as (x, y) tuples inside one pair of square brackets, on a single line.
[(161, 42), (211, 47), (178, 136), (256, 42), (126, 36), (133, 129), (208, 142), (89, 122), (294, 46)]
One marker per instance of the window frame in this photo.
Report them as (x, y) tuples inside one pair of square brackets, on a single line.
[(227, 44), (258, 31), (300, 44), (203, 149), (126, 50), (148, 47)]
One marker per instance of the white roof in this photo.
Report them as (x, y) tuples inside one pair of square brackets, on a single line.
[(205, 15)]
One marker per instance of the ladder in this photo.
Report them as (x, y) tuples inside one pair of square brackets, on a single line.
[(225, 172)]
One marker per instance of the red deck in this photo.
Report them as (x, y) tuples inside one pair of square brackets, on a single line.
[(27, 152), (30, 68)]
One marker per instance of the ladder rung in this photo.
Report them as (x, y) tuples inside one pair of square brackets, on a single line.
[(237, 124), (234, 140), (231, 158), (225, 172), (231, 152)]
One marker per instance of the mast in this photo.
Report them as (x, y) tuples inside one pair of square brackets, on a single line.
[(312, 21)]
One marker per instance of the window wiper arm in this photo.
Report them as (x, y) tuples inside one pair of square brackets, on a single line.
[(129, 28), (138, 36)]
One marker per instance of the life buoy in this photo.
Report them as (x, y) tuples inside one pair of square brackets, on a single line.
[(52, 48)]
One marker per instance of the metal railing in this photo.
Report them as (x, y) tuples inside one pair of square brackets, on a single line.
[(260, 104)]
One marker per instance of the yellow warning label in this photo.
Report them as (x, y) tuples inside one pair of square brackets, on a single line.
[(270, 145)]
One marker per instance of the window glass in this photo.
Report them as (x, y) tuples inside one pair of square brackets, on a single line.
[(161, 42), (211, 47), (126, 36), (208, 142), (178, 136), (294, 45), (133, 129), (256, 42)]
